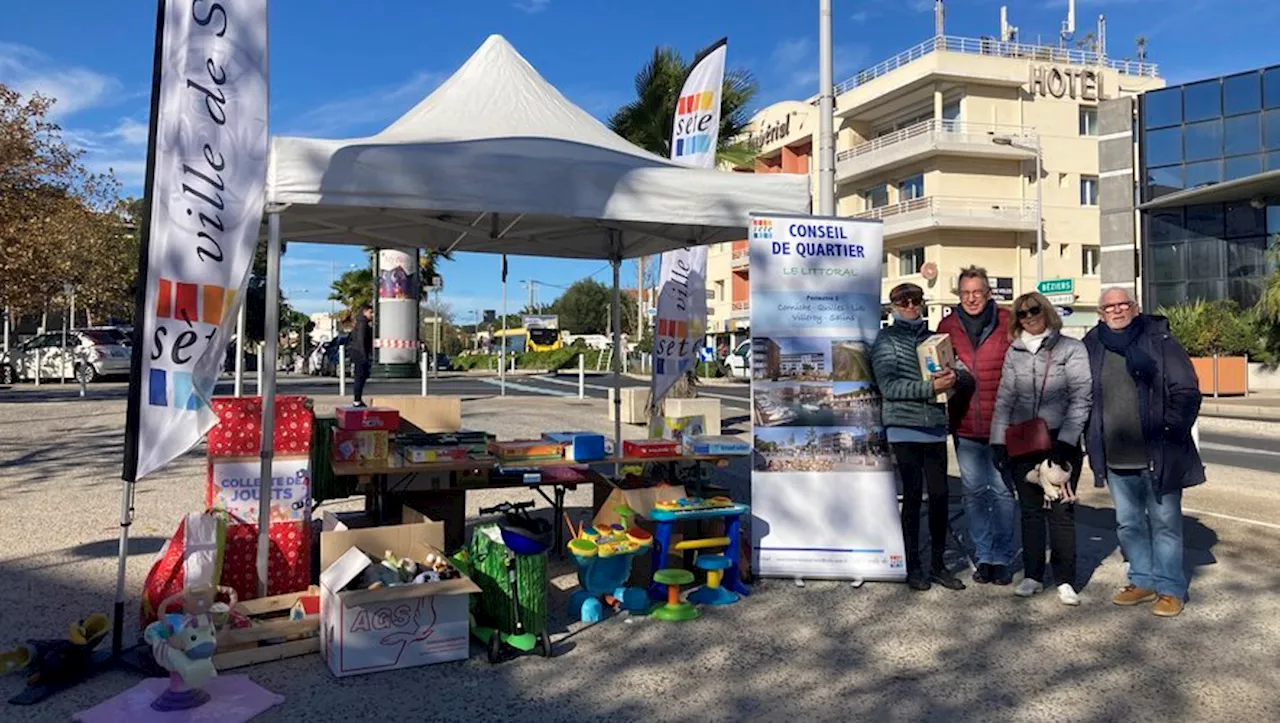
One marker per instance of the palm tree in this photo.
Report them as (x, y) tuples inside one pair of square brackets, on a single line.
[(353, 290), (647, 120), (1142, 48)]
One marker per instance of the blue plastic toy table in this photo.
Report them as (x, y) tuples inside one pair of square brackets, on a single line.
[(665, 521)]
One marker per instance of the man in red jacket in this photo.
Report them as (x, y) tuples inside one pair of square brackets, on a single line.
[(979, 335)]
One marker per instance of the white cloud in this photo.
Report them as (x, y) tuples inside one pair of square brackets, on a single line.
[(379, 106), (74, 88), (532, 7), (862, 16), (797, 60)]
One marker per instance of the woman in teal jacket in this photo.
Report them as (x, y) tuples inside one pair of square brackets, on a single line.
[(916, 427)]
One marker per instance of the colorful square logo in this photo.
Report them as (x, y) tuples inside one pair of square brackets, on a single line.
[(761, 228)]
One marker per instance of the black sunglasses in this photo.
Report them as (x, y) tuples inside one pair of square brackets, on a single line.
[(1029, 311)]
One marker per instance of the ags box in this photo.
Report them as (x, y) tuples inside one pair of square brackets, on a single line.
[(936, 356), (403, 626)]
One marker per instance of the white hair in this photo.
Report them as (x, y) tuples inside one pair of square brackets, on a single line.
[(1128, 294)]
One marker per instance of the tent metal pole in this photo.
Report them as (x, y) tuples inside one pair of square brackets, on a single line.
[(240, 326), (616, 261), (267, 384)]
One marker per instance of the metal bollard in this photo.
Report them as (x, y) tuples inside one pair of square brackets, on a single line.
[(582, 376), (342, 371)]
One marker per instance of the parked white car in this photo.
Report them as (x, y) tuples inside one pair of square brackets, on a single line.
[(739, 361), (90, 354)]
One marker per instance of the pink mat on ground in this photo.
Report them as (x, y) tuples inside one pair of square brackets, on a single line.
[(235, 699)]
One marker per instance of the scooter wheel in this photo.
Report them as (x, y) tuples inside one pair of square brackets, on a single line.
[(545, 641), (495, 648)]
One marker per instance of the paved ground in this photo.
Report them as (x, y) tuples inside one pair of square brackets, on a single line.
[(826, 652)]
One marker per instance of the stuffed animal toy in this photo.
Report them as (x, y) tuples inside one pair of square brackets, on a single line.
[(1051, 478)]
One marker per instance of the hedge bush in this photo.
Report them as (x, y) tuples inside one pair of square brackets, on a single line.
[(1205, 328)]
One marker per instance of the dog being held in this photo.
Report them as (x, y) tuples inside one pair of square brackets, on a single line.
[(1054, 480)]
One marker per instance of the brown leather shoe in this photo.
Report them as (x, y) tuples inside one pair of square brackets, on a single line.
[(1167, 606), (1133, 595)]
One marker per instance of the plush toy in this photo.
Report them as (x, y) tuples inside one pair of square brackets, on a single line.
[(184, 644), (1051, 478)]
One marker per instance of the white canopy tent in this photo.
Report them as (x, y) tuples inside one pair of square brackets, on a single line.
[(496, 160)]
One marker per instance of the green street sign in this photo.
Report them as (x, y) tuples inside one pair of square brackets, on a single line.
[(1057, 286)]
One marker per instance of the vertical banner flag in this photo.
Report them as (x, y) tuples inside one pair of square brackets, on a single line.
[(823, 493), (682, 282), (209, 167)]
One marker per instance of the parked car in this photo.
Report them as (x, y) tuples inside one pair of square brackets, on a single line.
[(444, 363), (739, 361), (89, 355), (329, 365)]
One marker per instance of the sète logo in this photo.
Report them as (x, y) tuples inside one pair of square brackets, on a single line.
[(384, 618)]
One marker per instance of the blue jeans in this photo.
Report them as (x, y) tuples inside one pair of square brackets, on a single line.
[(1150, 532), (988, 502)]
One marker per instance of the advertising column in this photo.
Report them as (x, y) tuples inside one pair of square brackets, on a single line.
[(396, 340), (823, 494)]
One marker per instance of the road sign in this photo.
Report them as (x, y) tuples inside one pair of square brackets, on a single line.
[(707, 354), (1064, 311), (1057, 286), (1061, 299)]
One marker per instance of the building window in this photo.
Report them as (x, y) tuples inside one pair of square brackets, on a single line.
[(1090, 260), (1088, 121), (876, 197), (951, 114), (1202, 101), (913, 187), (1242, 93), (884, 265), (1162, 108), (1088, 190), (910, 261), (719, 291)]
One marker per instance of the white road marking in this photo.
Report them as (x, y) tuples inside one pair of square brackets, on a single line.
[(526, 388), (1233, 518), (1215, 447), (601, 387)]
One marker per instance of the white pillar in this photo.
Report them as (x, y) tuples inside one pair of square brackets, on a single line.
[(423, 363), (267, 388), (342, 370), (582, 376)]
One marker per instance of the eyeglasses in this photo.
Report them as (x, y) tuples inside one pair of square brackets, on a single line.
[(1116, 308), (974, 294), (908, 302), (1029, 311)]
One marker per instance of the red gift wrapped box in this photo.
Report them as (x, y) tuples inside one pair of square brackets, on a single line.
[(238, 432), (288, 559), (363, 419)]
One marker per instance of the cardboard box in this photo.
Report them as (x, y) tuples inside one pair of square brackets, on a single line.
[(368, 631), (425, 414), (643, 448), (422, 454), (358, 418), (363, 446), (719, 445), (579, 446), (936, 356)]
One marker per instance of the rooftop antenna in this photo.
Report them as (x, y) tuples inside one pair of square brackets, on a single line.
[(1102, 37), (939, 15), (1068, 27), (1008, 33)]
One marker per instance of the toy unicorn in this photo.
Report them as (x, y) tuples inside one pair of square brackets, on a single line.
[(184, 644)]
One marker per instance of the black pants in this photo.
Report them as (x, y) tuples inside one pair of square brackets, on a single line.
[(923, 465), (361, 370), (1059, 518)]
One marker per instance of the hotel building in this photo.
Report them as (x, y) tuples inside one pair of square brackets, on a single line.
[(940, 142)]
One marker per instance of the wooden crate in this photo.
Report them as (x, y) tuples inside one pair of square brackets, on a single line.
[(272, 638)]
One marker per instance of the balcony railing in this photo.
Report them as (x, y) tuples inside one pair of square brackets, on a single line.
[(741, 259), (943, 131), (996, 48), (937, 211)]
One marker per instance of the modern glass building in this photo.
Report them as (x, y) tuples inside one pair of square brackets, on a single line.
[(1209, 188)]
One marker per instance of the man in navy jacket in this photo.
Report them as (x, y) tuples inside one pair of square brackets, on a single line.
[(1145, 400)]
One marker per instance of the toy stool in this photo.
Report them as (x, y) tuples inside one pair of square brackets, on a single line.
[(674, 610), (712, 593)]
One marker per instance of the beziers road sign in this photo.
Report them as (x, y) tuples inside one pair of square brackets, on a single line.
[(1056, 286)]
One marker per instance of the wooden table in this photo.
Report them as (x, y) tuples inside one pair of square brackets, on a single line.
[(452, 479)]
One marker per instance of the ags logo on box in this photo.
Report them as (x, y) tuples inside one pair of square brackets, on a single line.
[(761, 228)]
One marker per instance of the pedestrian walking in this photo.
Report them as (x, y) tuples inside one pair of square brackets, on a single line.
[(1146, 398), (361, 343), (979, 332), (1042, 408), (916, 426)]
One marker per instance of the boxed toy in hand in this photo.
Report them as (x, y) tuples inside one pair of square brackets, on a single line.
[(936, 355)]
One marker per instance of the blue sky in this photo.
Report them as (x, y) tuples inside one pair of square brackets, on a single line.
[(343, 69)]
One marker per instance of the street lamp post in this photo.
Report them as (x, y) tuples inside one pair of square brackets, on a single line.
[(1036, 149)]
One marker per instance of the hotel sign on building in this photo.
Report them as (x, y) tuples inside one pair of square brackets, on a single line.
[(1075, 83)]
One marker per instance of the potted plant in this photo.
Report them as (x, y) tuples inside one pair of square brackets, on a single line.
[(1219, 338)]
